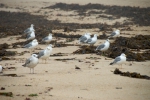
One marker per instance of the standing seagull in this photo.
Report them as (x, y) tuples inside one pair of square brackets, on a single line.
[(103, 47), (48, 38), (92, 40), (32, 44), (84, 38), (119, 60), (115, 33), (31, 35), (29, 30), (44, 54), (31, 62)]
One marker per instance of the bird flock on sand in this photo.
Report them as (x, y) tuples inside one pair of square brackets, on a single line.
[(86, 38), (32, 61)]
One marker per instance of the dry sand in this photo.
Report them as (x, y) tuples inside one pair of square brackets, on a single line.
[(95, 80)]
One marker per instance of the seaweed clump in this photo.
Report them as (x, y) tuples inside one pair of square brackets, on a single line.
[(85, 50), (4, 46), (131, 74), (131, 47), (7, 53), (138, 15)]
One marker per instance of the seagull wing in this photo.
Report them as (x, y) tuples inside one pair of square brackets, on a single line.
[(112, 34), (27, 30), (28, 45), (100, 47), (89, 40), (41, 53), (83, 39), (117, 59), (28, 61), (46, 38)]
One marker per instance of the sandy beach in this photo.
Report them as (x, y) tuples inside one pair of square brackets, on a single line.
[(59, 79)]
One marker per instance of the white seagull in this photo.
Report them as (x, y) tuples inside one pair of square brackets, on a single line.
[(29, 30), (115, 33), (103, 47), (48, 38), (119, 60), (92, 40), (31, 62), (84, 38), (31, 35), (32, 44), (44, 54)]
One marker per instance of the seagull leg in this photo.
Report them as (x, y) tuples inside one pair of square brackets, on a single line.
[(30, 70), (33, 70)]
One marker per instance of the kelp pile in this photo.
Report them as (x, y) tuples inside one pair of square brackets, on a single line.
[(137, 15), (129, 46), (131, 74)]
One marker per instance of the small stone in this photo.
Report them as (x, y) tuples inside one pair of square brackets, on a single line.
[(118, 87), (2, 88)]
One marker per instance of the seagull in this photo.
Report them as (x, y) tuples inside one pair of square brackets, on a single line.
[(29, 30), (119, 60), (92, 40), (32, 44), (84, 38), (103, 47), (115, 33), (44, 54), (31, 62), (31, 35), (1, 69), (48, 38)]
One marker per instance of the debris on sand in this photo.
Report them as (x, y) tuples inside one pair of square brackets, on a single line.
[(7, 53), (85, 50), (140, 15), (4, 46), (126, 45), (137, 42), (12, 75), (59, 54), (2, 88), (76, 67), (131, 74), (32, 95), (9, 94), (10, 68), (65, 59)]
